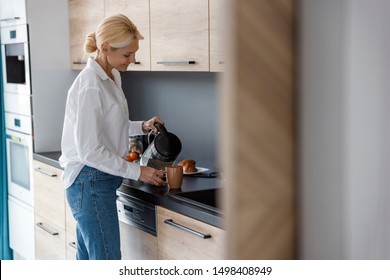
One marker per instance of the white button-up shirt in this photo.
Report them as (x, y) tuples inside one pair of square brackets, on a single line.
[(96, 126)]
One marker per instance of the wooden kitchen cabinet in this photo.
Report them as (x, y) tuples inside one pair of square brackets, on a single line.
[(84, 17), (49, 197), (49, 212), (138, 12), (71, 246), (179, 35), (218, 27), (175, 240), (49, 240), (70, 229)]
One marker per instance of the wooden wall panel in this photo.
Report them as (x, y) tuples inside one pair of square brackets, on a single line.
[(257, 134)]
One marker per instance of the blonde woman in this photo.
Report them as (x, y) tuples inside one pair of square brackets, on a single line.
[(95, 139)]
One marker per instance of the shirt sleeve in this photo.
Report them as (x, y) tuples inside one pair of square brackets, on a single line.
[(88, 138), (135, 128)]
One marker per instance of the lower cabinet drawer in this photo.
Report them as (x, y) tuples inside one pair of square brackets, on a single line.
[(181, 237), (71, 246), (49, 240)]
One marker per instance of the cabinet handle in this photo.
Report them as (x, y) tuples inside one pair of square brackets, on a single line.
[(50, 174), (73, 245), (79, 62), (186, 229), (176, 62), (137, 62), (47, 229), (9, 19)]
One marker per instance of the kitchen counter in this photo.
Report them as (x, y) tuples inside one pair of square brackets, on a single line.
[(161, 195), (50, 158)]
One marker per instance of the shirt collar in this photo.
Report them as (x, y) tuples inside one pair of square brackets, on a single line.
[(101, 73)]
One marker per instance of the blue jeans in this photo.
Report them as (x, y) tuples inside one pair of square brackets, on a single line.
[(92, 200)]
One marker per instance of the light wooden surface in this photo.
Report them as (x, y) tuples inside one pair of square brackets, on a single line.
[(70, 222), (174, 31), (218, 27), (138, 12), (174, 243), (70, 243), (84, 17), (49, 198), (70, 229), (48, 246), (179, 32), (258, 130)]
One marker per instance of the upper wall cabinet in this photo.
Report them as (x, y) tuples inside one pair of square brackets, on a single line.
[(84, 17), (138, 12), (12, 12), (218, 23), (179, 35)]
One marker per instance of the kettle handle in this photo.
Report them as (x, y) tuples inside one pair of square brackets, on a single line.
[(161, 129)]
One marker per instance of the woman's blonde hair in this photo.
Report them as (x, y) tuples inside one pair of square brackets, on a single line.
[(117, 31)]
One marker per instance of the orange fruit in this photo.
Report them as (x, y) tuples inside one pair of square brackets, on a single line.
[(132, 156)]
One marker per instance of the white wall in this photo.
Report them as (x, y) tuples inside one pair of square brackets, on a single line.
[(50, 69), (344, 130)]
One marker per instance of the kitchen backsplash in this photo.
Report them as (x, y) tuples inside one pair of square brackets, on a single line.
[(186, 101)]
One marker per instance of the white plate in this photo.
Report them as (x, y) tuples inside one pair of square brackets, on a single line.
[(200, 170)]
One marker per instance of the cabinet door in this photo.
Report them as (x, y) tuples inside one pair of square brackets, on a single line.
[(70, 228), (12, 12), (49, 240), (138, 12), (49, 195), (84, 17), (176, 238), (179, 35), (71, 246), (218, 27)]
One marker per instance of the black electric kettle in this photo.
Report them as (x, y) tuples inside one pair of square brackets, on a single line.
[(163, 150)]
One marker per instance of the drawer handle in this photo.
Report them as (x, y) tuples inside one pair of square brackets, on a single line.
[(50, 174), (47, 229), (80, 62), (176, 62), (9, 19), (186, 229), (73, 245)]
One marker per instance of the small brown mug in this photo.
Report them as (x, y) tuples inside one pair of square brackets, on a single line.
[(174, 176)]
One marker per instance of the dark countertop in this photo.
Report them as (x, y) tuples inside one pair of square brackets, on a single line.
[(50, 158), (160, 195)]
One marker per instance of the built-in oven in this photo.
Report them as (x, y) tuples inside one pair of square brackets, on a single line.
[(19, 166), (20, 191), (16, 59), (19, 138)]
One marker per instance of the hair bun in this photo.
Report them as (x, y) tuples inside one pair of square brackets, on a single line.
[(90, 43)]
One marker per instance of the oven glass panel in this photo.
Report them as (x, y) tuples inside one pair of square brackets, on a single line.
[(20, 165), (15, 66)]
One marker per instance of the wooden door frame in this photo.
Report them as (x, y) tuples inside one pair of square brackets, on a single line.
[(257, 133)]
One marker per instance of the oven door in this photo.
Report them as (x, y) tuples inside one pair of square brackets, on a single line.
[(19, 166), (16, 59)]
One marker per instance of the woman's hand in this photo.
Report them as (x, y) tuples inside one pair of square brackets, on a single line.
[(149, 125), (151, 176)]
